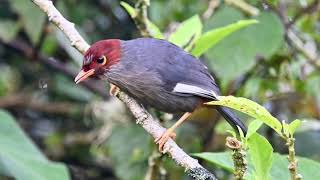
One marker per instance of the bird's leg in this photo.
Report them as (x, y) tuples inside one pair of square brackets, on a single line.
[(114, 90), (170, 132)]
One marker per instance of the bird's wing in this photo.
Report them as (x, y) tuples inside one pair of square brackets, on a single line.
[(194, 90), (171, 65)]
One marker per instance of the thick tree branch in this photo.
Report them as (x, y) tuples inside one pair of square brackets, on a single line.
[(192, 166)]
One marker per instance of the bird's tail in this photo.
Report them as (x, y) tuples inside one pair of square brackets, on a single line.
[(232, 118)]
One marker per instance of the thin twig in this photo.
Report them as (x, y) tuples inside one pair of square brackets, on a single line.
[(244, 6), (141, 18), (143, 118), (155, 170), (25, 101), (213, 4), (299, 45), (313, 7)]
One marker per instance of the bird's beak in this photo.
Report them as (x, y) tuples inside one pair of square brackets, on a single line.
[(82, 75)]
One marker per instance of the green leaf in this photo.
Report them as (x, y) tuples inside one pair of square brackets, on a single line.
[(294, 125), (279, 170), (154, 30), (8, 30), (261, 154), (130, 157), (187, 33), (128, 8), (253, 127), (20, 158), (31, 17), (237, 53), (251, 108), (220, 159), (308, 168), (209, 39)]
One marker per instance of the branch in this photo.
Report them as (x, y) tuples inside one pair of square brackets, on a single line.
[(141, 17), (64, 25), (26, 50), (25, 101), (213, 4), (245, 7), (143, 118)]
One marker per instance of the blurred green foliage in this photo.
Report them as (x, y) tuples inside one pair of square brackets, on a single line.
[(259, 62)]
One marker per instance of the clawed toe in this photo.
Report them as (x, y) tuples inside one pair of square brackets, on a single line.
[(164, 138), (114, 90)]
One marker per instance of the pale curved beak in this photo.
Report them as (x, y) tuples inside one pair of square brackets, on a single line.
[(82, 75)]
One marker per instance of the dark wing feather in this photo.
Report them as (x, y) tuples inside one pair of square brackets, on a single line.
[(173, 65)]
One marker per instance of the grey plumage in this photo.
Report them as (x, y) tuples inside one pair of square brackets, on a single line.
[(162, 75)]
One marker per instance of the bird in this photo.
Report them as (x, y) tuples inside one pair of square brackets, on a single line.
[(158, 74)]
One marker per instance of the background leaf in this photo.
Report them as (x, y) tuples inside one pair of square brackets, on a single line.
[(210, 38), (221, 159), (261, 155), (228, 58), (307, 167), (20, 158), (131, 157), (128, 8), (188, 30), (8, 34), (31, 16)]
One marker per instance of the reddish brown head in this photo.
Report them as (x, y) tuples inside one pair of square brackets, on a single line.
[(98, 58)]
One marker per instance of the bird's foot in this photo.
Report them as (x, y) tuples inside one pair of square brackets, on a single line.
[(114, 90), (164, 138)]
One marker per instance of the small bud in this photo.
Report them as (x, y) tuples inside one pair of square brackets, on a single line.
[(233, 143)]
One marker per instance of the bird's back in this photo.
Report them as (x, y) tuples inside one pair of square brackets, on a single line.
[(172, 63), (150, 69)]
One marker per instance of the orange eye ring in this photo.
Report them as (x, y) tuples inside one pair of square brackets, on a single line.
[(102, 60)]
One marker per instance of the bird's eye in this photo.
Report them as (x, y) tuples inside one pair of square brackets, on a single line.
[(102, 60)]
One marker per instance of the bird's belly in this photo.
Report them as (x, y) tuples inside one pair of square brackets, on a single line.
[(160, 99), (171, 103)]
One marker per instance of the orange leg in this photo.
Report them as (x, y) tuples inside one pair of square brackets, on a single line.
[(170, 132), (114, 90)]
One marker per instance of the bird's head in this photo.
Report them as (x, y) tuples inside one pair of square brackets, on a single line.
[(99, 58)]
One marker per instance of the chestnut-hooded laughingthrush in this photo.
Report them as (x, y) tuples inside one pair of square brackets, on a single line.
[(156, 73)]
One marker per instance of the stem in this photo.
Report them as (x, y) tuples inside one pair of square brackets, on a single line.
[(238, 156), (155, 169), (293, 162), (141, 18)]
